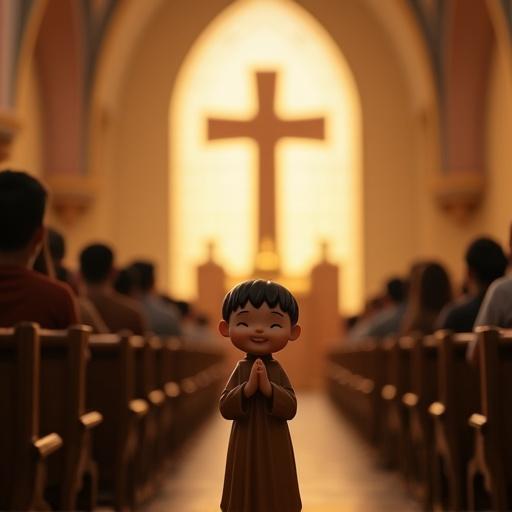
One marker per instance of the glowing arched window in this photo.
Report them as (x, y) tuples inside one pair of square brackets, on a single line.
[(213, 186)]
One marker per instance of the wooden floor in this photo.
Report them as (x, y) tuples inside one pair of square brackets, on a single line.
[(337, 470)]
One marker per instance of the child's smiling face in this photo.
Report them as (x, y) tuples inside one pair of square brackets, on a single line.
[(261, 331)]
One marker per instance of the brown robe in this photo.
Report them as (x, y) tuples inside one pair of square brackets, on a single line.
[(260, 468)]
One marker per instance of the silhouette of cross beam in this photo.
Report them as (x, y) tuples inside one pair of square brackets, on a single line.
[(266, 128)]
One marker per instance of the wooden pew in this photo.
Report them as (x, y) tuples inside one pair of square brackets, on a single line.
[(111, 391), (191, 379), (458, 399), (148, 458), (355, 380), (202, 372), (72, 474), (490, 468), (168, 380), (395, 442), (23, 452), (423, 392)]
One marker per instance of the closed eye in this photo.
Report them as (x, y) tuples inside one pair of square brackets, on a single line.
[(242, 323), (275, 325)]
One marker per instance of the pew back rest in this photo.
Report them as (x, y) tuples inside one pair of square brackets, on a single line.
[(495, 353), (19, 378), (459, 386), (111, 390), (63, 378), (424, 378)]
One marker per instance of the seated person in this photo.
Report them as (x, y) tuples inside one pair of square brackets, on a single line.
[(496, 307), (388, 321), (54, 256), (117, 311), (430, 291), (163, 317), (26, 295), (57, 250), (485, 262)]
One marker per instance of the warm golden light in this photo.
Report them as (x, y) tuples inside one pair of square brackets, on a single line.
[(214, 184)]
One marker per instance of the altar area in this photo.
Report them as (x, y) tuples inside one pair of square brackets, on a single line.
[(318, 299)]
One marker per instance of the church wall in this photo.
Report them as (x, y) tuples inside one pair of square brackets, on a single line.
[(441, 236), (140, 159), (497, 211), (27, 150)]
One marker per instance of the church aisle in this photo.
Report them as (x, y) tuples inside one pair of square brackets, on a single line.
[(337, 470)]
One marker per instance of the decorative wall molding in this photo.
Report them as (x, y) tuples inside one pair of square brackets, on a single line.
[(71, 196), (459, 193)]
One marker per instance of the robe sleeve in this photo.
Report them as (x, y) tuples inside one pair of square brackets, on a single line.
[(233, 403), (283, 403)]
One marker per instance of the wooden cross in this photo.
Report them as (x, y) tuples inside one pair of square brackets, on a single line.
[(266, 128)]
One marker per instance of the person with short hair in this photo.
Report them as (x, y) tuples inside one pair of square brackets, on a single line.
[(496, 308), (485, 262), (26, 295), (163, 317), (117, 311)]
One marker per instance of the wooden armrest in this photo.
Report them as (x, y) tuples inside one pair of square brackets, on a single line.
[(188, 385), (365, 386), (139, 407), (388, 392), (172, 389), (478, 421), (91, 419), (437, 409), (156, 397), (410, 400), (46, 445)]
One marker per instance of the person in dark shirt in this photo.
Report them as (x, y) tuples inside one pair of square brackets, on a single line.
[(117, 311), (26, 295), (485, 261)]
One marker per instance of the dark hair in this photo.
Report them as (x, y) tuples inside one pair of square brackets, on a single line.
[(396, 289), (144, 272), (22, 205), (434, 290), (125, 281), (96, 262), (257, 292), (56, 245), (486, 259), (430, 290)]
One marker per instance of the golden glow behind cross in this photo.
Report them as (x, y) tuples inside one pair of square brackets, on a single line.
[(214, 187)]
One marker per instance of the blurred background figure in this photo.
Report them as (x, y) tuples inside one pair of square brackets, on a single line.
[(163, 316), (485, 262), (118, 311), (57, 252), (430, 290)]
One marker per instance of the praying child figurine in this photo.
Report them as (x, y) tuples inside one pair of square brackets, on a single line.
[(260, 317)]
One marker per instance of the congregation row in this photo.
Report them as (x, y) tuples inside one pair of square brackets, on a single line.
[(35, 285), (425, 301), (90, 414), (426, 374)]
